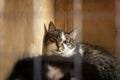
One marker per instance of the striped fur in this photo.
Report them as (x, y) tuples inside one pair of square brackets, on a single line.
[(61, 43)]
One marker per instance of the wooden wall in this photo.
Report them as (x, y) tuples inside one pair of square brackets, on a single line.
[(22, 30), (64, 14), (98, 20), (60, 13), (99, 23), (117, 16)]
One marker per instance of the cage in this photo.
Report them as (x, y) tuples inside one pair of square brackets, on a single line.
[(22, 25)]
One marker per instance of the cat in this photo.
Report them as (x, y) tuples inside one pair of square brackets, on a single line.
[(80, 61), (95, 59), (42, 68)]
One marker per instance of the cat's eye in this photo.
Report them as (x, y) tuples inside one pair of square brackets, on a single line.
[(65, 42), (52, 40), (69, 45)]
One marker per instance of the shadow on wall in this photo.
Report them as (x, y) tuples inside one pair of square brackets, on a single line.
[(23, 30)]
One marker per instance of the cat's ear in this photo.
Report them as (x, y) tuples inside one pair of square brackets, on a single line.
[(73, 34), (51, 26), (45, 29)]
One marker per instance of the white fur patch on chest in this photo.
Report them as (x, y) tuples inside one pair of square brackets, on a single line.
[(54, 73)]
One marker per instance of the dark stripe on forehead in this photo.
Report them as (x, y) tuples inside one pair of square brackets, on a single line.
[(57, 33)]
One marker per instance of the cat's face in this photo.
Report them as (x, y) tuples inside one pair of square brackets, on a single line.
[(59, 42)]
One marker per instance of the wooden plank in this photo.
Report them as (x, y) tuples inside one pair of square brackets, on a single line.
[(60, 13)]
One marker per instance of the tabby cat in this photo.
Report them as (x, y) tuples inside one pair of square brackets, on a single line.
[(95, 59)]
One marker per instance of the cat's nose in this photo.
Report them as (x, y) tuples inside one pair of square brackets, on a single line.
[(61, 48), (58, 50)]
